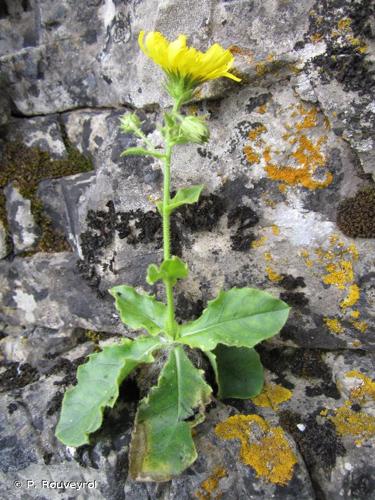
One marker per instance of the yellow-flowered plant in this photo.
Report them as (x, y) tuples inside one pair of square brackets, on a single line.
[(186, 67), (162, 445)]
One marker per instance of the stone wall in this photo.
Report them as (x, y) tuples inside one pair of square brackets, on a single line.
[(288, 206)]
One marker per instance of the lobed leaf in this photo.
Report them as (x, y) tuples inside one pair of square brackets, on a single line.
[(241, 317), (162, 445), (139, 310), (185, 196), (98, 387), (238, 371), (170, 269)]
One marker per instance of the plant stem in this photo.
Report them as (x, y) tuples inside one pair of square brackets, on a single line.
[(167, 237), (171, 323)]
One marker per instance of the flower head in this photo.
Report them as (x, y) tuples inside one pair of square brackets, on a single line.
[(186, 67)]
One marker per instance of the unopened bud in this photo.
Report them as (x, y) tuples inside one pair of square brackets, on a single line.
[(194, 129), (130, 122)]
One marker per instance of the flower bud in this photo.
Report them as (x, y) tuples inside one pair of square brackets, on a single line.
[(194, 129), (130, 122)]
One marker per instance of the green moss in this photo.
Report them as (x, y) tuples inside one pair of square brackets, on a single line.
[(26, 167)]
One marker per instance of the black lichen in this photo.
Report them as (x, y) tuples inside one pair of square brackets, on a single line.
[(356, 216)]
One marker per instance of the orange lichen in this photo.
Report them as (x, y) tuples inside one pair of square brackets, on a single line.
[(339, 274), (262, 109), (256, 132), (259, 242), (357, 424), (309, 118), (264, 448), (273, 275), (210, 485), (308, 158), (251, 155), (333, 325), (272, 396), (352, 297), (365, 390)]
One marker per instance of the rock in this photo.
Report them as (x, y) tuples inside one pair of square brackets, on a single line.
[(21, 222), (31, 296), (4, 247)]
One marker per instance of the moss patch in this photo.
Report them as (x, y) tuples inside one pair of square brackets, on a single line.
[(26, 167), (356, 216)]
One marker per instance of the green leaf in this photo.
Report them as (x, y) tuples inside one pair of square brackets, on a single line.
[(241, 317), (185, 196), (170, 269), (238, 371), (162, 445), (139, 310), (141, 152), (98, 386)]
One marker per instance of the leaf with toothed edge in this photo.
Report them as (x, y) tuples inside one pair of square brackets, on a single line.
[(241, 317), (162, 445), (139, 310), (98, 383)]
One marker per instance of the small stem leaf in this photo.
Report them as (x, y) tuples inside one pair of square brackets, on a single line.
[(98, 386), (139, 310), (238, 371), (241, 317), (162, 445), (170, 269), (141, 152), (185, 196)]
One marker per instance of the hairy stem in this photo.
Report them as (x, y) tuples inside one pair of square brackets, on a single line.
[(167, 236)]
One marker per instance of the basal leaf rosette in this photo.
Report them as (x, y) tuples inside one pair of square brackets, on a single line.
[(186, 67)]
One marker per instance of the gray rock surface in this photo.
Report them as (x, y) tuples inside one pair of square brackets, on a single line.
[(288, 146)]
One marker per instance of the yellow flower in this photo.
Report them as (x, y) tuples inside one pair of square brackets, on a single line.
[(186, 67)]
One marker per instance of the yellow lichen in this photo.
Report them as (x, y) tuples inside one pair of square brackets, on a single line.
[(275, 230), (352, 297), (210, 485), (259, 242), (344, 24), (273, 275), (333, 325), (272, 396), (316, 37), (353, 423), (361, 326), (365, 390), (268, 256), (339, 274), (355, 314), (264, 448)]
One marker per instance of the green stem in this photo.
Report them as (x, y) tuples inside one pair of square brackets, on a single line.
[(171, 323)]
